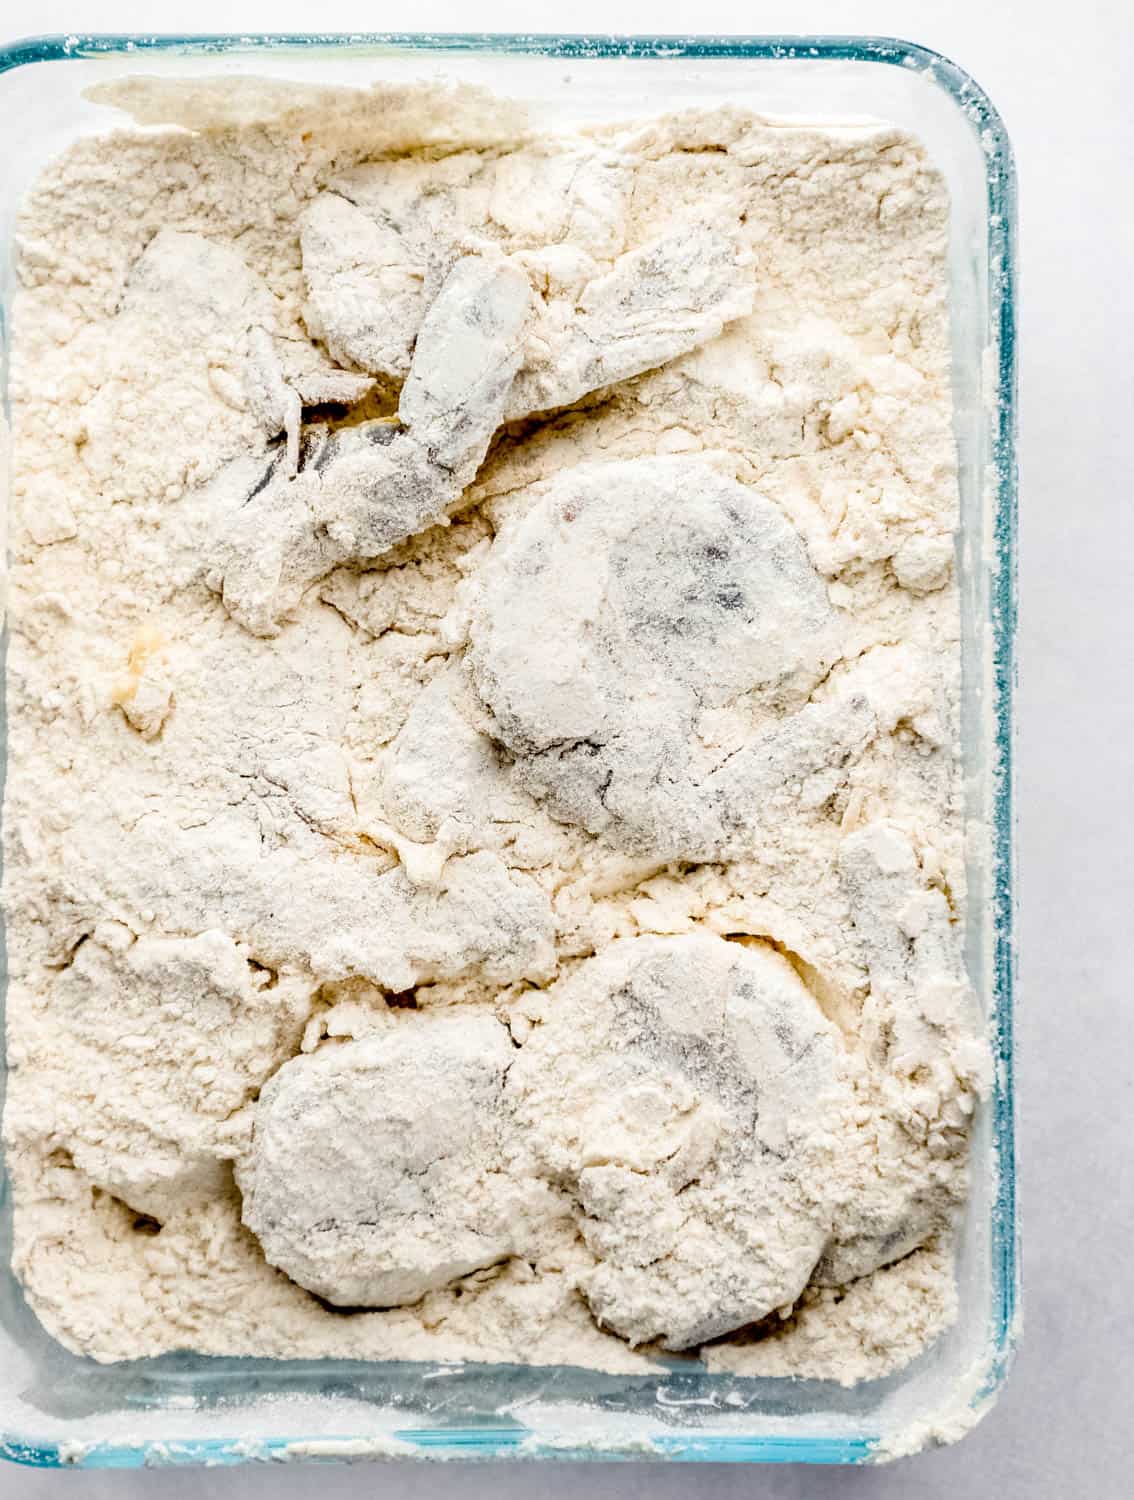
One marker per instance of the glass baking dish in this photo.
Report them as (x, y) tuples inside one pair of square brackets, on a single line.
[(58, 1409)]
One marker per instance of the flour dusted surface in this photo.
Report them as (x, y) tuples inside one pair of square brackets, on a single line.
[(483, 693)]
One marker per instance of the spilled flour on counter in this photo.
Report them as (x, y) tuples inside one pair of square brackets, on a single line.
[(484, 865)]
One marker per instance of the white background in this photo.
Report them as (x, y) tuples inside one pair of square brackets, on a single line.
[(1060, 75)]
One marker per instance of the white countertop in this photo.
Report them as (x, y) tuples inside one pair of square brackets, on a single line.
[(1060, 76)]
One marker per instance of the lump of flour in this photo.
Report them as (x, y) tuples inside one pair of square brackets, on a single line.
[(365, 286), (261, 836), (376, 1168), (340, 916), (631, 601), (654, 304), (917, 1097), (169, 1037), (684, 1090), (195, 306), (445, 780)]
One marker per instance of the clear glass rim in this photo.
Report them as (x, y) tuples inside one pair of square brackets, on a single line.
[(1000, 179)]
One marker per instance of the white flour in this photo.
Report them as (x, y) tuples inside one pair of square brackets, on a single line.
[(510, 851)]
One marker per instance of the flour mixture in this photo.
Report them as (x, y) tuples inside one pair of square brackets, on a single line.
[(483, 822)]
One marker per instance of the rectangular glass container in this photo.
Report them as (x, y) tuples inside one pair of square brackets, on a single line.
[(58, 1409)]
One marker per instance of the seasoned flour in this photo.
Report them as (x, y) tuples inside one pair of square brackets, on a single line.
[(483, 821)]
